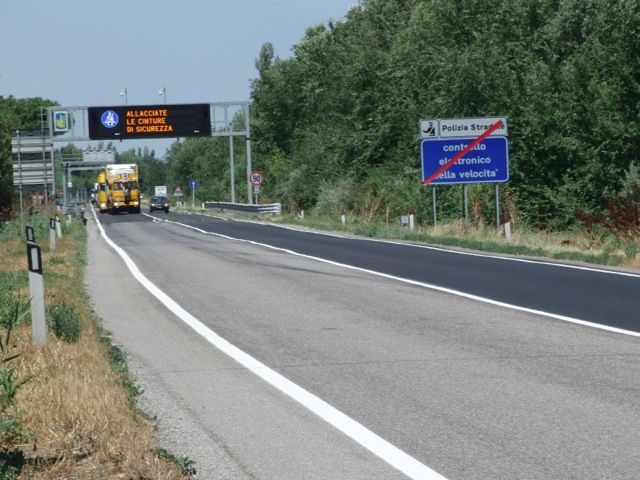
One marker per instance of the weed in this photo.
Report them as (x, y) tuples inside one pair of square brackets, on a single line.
[(118, 361), (186, 465), (56, 261), (11, 463), (10, 282), (7, 231), (81, 257), (11, 431), (631, 250), (64, 322)]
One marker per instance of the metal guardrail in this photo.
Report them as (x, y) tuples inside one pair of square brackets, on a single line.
[(253, 210)]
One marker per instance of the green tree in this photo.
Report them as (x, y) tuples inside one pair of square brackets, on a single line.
[(566, 73), (15, 114)]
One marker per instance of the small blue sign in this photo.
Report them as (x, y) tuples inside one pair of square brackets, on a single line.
[(193, 184), (110, 119), (487, 162)]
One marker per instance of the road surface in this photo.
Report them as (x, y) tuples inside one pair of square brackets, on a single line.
[(466, 388)]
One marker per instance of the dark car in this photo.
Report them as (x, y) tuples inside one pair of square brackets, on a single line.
[(159, 203)]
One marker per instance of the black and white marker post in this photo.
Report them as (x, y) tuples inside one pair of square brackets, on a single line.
[(30, 235), (36, 284), (58, 228), (52, 234)]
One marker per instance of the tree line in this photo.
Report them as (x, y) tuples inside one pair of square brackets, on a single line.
[(335, 125)]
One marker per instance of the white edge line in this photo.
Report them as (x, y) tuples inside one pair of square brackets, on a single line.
[(357, 432), (421, 284), (431, 247)]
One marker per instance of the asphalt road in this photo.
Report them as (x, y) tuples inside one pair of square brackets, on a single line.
[(470, 389), (593, 296)]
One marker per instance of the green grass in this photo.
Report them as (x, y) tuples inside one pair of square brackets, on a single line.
[(64, 322)]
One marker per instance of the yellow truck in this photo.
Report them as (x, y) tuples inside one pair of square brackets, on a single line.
[(122, 187)]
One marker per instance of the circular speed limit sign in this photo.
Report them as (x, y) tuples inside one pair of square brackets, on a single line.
[(256, 178)]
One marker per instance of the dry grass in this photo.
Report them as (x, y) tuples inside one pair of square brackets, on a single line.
[(80, 417), (551, 243)]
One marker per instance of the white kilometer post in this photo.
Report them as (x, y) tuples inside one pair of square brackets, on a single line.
[(507, 231), (36, 285)]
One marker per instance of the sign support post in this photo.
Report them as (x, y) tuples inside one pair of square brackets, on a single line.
[(255, 179), (20, 177), (433, 201), (249, 195), (43, 121), (497, 195), (232, 170), (465, 202), (193, 184)]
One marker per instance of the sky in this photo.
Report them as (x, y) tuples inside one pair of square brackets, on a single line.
[(86, 52)]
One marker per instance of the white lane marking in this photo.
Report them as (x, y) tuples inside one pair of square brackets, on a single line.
[(438, 249), (391, 454), (421, 284)]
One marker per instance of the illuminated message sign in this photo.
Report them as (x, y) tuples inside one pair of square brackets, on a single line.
[(149, 121)]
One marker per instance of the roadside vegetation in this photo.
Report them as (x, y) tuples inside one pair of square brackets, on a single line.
[(335, 125), (67, 410)]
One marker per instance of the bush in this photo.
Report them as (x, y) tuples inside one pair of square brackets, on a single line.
[(64, 322)]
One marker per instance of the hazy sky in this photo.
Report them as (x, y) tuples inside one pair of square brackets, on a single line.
[(85, 52)]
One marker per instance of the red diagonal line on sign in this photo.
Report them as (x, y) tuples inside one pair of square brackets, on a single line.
[(462, 153)]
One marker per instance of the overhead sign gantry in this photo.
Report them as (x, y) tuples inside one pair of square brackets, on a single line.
[(131, 122)]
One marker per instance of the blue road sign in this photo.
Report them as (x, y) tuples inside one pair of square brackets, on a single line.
[(487, 162), (193, 184)]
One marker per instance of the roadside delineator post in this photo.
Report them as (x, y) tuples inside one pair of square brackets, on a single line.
[(58, 228), (52, 234), (506, 222), (30, 235), (412, 224), (36, 285)]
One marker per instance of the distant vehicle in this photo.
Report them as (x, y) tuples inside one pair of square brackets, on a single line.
[(159, 203), (122, 188)]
